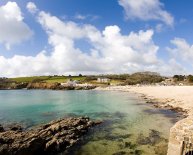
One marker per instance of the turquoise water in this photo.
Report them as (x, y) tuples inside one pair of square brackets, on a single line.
[(128, 121)]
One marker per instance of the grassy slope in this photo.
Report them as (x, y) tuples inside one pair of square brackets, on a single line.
[(48, 79), (28, 79), (63, 79)]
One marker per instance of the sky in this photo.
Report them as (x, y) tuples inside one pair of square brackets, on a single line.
[(95, 37)]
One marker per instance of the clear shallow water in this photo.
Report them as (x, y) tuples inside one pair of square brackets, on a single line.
[(130, 125)]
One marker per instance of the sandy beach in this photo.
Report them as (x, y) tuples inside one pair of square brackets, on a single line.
[(174, 96)]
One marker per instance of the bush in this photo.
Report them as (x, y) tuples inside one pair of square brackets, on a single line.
[(190, 78), (179, 77), (37, 80), (90, 78), (118, 77), (143, 78)]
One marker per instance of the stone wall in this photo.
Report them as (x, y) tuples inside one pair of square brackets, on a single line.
[(182, 130)]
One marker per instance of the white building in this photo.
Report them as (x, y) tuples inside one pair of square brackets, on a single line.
[(70, 83), (103, 80)]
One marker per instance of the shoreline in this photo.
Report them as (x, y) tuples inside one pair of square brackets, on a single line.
[(169, 103), (176, 98), (164, 105)]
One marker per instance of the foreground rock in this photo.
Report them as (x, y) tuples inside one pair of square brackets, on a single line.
[(180, 141), (50, 138)]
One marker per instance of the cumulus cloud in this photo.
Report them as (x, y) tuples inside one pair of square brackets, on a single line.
[(146, 10), (182, 50), (170, 68), (110, 51), (176, 67), (31, 7), (13, 30)]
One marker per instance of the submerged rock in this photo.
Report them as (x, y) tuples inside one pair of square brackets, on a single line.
[(51, 138), (130, 145), (1, 128), (138, 152), (153, 138), (14, 127), (161, 149), (120, 153)]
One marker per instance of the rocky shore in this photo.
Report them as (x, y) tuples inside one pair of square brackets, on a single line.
[(54, 137), (44, 85), (164, 104)]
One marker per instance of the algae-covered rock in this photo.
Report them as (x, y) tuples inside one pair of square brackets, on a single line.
[(50, 138)]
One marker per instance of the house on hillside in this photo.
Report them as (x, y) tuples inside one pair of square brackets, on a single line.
[(103, 80), (71, 83)]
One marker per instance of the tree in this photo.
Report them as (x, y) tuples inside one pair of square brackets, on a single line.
[(143, 78), (190, 78), (179, 77)]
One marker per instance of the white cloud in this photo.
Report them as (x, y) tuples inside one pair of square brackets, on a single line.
[(79, 16), (88, 16), (31, 7), (12, 28), (171, 67), (176, 67), (182, 50), (110, 52), (159, 28), (146, 10)]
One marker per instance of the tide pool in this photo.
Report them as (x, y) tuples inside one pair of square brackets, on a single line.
[(130, 126)]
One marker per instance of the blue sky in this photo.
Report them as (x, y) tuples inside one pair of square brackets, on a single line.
[(166, 27)]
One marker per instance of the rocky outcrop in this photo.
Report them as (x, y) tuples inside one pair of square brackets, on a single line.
[(13, 85), (20, 85), (57, 86), (43, 85), (51, 138)]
